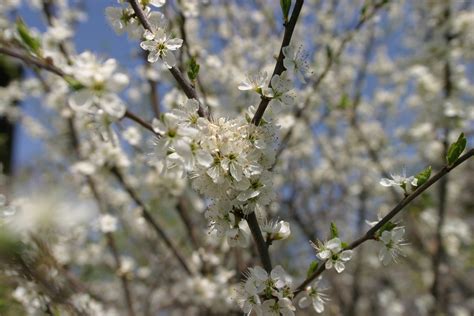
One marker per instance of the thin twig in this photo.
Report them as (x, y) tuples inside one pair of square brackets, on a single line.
[(152, 222)]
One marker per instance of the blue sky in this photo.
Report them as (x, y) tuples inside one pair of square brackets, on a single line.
[(93, 34)]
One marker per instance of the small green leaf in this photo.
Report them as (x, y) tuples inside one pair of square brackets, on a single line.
[(193, 69), (423, 176), (334, 231), (456, 149), (345, 101), (29, 40), (312, 268), (344, 245), (285, 8)]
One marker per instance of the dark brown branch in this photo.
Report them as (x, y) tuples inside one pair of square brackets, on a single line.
[(262, 246), (32, 60), (139, 120)]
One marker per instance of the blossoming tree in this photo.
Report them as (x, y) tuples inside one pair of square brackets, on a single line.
[(238, 156)]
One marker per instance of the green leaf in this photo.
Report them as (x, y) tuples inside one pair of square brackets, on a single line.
[(334, 231), (193, 69), (312, 268), (456, 149), (29, 40), (344, 245), (285, 8), (345, 101), (423, 176)]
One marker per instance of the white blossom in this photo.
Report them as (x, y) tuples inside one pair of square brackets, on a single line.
[(333, 253), (296, 61), (160, 45), (108, 223), (276, 230), (392, 242), (255, 82), (313, 295), (399, 181)]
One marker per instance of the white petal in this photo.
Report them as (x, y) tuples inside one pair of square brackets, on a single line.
[(153, 56), (169, 59), (318, 305), (328, 264), (386, 182), (81, 100), (148, 45), (112, 105), (334, 245), (339, 266), (260, 273), (304, 302), (174, 44), (346, 255), (325, 254), (158, 126)]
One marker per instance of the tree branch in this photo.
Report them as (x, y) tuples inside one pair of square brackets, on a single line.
[(151, 221), (279, 67), (370, 234)]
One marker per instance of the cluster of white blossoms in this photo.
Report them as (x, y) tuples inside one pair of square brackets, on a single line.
[(227, 160), (124, 20), (97, 87), (157, 40), (266, 294), (279, 92)]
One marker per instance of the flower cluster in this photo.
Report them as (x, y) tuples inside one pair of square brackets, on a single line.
[(267, 294), (97, 87), (124, 20), (226, 159), (279, 91)]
